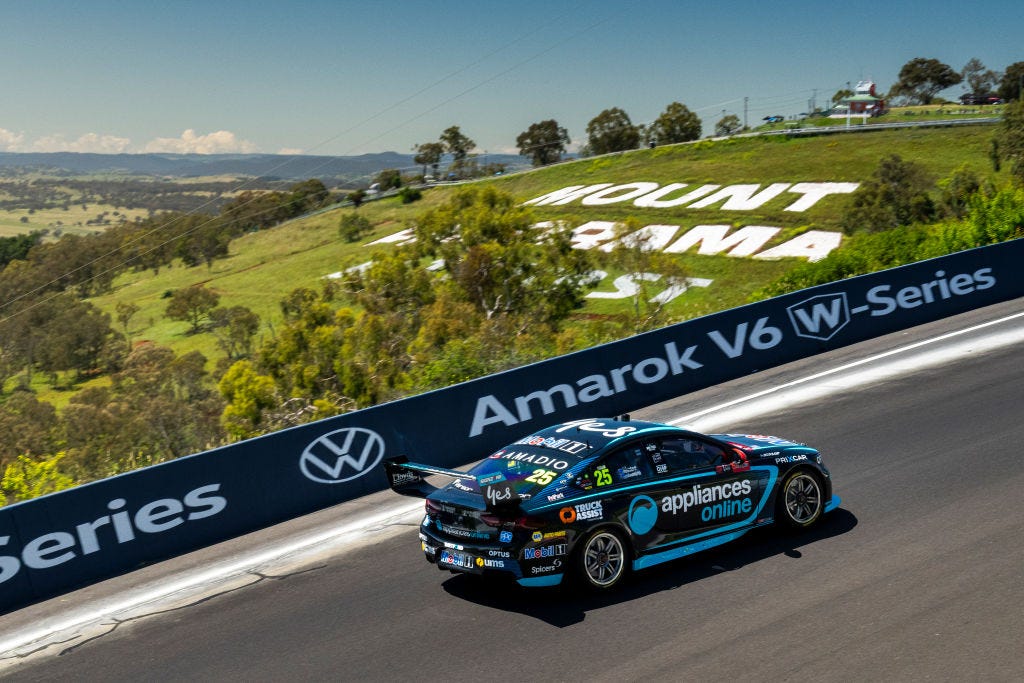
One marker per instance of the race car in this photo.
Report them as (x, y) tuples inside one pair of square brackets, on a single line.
[(594, 499)]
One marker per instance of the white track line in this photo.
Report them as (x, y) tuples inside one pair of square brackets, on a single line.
[(840, 379)]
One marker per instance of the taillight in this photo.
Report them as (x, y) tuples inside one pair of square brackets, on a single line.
[(522, 522), (433, 509), (530, 523), (491, 520)]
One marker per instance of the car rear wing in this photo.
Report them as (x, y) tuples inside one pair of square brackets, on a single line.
[(409, 479)]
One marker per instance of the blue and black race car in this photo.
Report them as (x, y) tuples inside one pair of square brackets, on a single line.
[(593, 499)]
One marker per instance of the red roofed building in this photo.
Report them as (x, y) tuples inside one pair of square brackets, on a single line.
[(865, 102)]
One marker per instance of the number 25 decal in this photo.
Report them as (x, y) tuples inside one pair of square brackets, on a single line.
[(603, 476), (542, 477)]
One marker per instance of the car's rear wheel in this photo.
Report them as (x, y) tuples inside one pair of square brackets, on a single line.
[(801, 501), (603, 559)]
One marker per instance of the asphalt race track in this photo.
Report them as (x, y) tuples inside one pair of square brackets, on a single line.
[(919, 575)]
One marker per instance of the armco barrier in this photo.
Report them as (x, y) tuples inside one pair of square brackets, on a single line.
[(67, 539)]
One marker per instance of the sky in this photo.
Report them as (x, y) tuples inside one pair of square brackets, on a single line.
[(348, 78)]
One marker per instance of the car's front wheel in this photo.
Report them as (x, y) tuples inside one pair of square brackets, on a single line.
[(800, 500), (603, 559)]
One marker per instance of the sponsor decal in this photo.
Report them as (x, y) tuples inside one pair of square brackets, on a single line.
[(457, 483), (554, 566), (719, 501), (699, 495), (629, 472), (400, 478), (554, 534), (662, 469), (342, 455), (456, 559), (643, 514), (583, 511), (487, 479), (531, 458), (537, 536), (499, 553), (566, 445), (119, 526), (555, 496), (583, 481), (597, 427), (490, 564), (790, 458), (495, 494), (822, 316), (589, 511), (505, 537), (459, 531), (544, 551)]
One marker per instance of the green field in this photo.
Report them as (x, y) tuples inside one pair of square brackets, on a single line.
[(73, 221), (263, 267)]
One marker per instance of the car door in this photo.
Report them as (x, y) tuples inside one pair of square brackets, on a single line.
[(716, 489)]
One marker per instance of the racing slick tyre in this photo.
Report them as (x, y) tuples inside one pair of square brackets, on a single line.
[(800, 500), (602, 560)]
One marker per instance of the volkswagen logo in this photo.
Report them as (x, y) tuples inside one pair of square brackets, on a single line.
[(342, 455), (820, 317)]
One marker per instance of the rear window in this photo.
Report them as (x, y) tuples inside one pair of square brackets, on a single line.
[(529, 468)]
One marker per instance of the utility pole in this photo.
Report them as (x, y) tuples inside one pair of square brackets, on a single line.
[(745, 112)]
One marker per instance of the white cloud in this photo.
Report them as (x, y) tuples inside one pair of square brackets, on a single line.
[(219, 142), (290, 151), (90, 142), (10, 142)]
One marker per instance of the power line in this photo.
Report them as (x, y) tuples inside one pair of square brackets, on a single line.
[(247, 184)]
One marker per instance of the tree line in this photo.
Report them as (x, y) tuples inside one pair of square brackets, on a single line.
[(546, 142)]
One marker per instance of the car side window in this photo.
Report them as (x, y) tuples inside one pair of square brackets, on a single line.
[(623, 466), (690, 454)]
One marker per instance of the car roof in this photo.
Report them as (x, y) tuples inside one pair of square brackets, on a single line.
[(599, 433)]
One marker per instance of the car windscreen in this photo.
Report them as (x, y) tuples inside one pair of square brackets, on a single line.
[(528, 468)]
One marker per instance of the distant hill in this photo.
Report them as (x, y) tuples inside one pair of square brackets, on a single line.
[(270, 166)]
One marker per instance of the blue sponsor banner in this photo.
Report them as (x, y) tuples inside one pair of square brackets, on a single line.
[(64, 540)]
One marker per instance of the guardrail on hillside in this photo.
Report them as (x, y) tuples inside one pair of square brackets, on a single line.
[(63, 540)]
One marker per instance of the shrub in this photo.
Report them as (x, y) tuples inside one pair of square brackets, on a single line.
[(408, 195), (353, 227)]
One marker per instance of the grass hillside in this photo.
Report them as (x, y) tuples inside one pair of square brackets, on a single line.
[(264, 266)]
